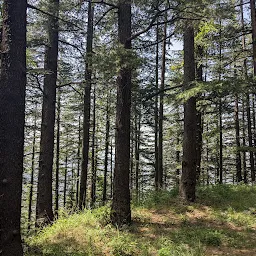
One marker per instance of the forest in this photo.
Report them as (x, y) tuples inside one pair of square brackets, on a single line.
[(127, 127)]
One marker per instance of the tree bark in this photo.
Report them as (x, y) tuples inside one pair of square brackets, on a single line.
[(78, 161), (44, 212), (94, 174), (121, 210), (87, 108), (104, 196), (253, 21), (188, 177), (12, 119), (30, 199), (156, 111), (238, 145), (57, 156), (161, 114)]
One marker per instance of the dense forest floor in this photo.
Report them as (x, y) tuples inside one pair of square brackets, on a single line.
[(221, 222)]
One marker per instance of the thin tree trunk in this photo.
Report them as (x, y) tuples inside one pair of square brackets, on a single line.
[(57, 155), (161, 114), (111, 169), (44, 212), (246, 78), (12, 119), (253, 20), (93, 182), (249, 127), (87, 107), (156, 111), (244, 145), (78, 161), (188, 177), (220, 172), (30, 200), (199, 130), (66, 173), (137, 149), (104, 197), (121, 210), (238, 145)]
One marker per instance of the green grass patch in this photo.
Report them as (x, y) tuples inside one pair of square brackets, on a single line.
[(222, 219)]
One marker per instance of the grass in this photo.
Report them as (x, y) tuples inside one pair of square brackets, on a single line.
[(221, 222)]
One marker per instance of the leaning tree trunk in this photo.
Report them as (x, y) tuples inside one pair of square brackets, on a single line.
[(121, 211), (12, 118), (188, 177), (44, 212), (87, 109)]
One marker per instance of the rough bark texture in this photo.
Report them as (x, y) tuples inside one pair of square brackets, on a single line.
[(87, 108), (12, 116), (188, 177), (44, 212), (121, 211)]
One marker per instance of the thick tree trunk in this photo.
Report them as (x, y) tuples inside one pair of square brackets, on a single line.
[(188, 177), (12, 118), (121, 210), (44, 212), (87, 107)]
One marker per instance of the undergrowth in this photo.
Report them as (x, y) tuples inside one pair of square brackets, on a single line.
[(221, 222)]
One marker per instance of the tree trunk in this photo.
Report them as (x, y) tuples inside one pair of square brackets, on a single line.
[(161, 114), (220, 172), (199, 130), (87, 107), (238, 145), (12, 118), (30, 200), (121, 210), (249, 127), (78, 161), (104, 197), (57, 156), (44, 213), (93, 182), (188, 177), (156, 111), (253, 20)]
